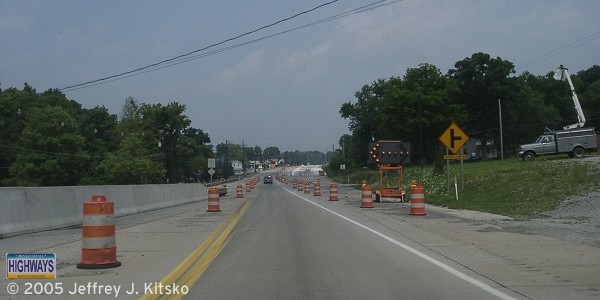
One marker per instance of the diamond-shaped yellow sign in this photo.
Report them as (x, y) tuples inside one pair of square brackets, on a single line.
[(453, 138)]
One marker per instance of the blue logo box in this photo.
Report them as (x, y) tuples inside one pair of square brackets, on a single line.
[(31, 265)]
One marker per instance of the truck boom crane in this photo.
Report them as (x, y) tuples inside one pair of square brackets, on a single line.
[(560, 74)]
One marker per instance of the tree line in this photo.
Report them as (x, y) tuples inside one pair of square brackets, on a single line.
[(419, 106), (49, 140)]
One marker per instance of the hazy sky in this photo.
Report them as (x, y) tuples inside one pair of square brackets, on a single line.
[(286, 90)]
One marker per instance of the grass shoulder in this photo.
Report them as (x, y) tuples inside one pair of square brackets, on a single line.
[(509, 187)]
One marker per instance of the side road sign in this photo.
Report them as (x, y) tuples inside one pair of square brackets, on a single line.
[(453, 138), (455, 156)]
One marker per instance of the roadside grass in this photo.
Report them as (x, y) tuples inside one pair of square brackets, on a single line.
[(509, 187)]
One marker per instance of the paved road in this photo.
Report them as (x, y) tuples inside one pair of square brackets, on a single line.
[(286, 244), (285, 247)]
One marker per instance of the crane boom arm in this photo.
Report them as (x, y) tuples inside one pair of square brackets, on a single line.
[(562, 73)]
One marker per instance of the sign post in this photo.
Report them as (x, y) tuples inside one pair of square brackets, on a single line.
[(211, 171)]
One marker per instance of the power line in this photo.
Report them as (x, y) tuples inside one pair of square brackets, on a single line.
[(560, 50), (189, 57), (197, 50)]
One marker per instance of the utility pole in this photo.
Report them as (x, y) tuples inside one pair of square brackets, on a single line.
[(243, 159), (501, 137), (419, 108)]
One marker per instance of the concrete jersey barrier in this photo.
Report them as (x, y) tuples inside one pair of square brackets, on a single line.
[(32, 209)]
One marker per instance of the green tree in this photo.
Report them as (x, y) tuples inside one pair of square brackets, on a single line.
[(271, 152), (132, 163), (482, 81), (14, 108), (98, 128), (166, 124), (52, 151), (194, 149)]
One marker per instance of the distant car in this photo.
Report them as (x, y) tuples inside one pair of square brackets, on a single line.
[(268, 179), (223, 190)]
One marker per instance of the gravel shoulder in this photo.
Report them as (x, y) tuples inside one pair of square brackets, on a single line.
[(577, 219)]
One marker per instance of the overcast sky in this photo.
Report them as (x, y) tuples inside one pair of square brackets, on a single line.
[(283, 91)]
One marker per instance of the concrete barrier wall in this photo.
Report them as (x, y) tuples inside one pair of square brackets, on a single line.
[(32, 209)]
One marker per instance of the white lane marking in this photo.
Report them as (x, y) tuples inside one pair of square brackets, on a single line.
[(414, 251)]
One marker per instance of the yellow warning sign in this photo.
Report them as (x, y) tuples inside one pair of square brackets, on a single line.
[(453, 138)]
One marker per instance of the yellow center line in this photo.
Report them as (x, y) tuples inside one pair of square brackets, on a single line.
[(191, 269)]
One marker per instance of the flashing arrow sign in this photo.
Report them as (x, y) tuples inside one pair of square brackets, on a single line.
[(453, 138)]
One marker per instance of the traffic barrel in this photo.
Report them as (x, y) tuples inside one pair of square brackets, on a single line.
[(367, 197), (295, 183), (248, 188), (417, 200), (213, 200), (317, 189), (333, 191), (239, 192), (300, 187), (98, 243), (307, 187)]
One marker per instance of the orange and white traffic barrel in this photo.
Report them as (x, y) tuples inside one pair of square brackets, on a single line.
[(367, 197), (295, 183), (98, 245), (317, 189), (300, 185), (333, 191), (307, 187), (213, 200), (239, 193), (417, 200)]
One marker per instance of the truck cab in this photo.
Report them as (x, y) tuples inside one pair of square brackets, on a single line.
[(544, 144)]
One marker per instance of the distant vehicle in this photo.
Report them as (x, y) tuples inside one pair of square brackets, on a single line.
[(574, 142), (268, 179), (223, 190)]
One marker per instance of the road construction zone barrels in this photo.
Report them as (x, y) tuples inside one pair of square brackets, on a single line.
[(239, 193), (307, 187), (248, 189), (98, 243), (367, 197), (295, 184), (213, 200), (333, 191), (317, 189), (417, 200)]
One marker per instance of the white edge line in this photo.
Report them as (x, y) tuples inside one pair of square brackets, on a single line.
[(414, 251)]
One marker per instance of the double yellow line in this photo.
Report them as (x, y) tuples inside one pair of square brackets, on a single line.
[(192, 268)]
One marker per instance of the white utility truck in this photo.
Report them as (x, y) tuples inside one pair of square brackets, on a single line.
[(573, 140)]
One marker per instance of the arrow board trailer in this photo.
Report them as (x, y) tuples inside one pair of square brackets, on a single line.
[(389, 156)]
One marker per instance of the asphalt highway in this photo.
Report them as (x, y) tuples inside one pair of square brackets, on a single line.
[(290, 245), (280, 243)]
